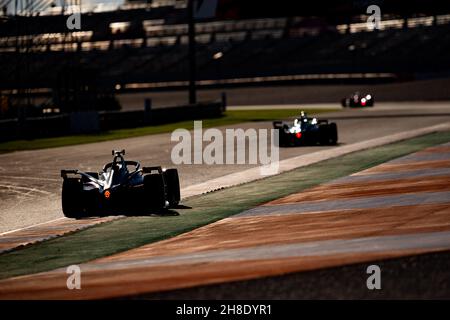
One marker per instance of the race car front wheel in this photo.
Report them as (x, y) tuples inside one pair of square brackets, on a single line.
[(173, 186), (71, 198)]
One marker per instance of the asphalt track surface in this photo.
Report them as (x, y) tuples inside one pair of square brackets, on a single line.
[(30, 182), (306, 233)]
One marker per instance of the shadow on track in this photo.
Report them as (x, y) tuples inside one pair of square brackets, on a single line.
[(389, 116)]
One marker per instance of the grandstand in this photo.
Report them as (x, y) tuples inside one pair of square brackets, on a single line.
[(144, 45)]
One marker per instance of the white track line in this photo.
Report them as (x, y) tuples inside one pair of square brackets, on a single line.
[(290, 164), (30, 178)]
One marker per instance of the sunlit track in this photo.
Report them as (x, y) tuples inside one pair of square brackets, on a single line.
[(415, 221), (214, 154)]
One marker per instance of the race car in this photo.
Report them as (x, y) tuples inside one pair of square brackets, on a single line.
[(358, 100), (307, 131), (121, 186)]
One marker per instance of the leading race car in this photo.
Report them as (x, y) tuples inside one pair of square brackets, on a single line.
[(120, 186), (358, 100), (307, 131)]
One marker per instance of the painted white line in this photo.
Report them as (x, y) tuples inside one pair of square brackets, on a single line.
[(30, 178), (322, 106), (305, 160), (34, 225), (380, 106)]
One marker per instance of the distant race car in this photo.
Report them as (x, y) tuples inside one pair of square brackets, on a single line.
[(120, 186), (307, 131), (358, 100)]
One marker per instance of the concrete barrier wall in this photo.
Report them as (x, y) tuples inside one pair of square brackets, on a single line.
[(93, 122), (32, 128)]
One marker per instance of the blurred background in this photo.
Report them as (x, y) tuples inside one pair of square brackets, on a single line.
[(135, 54)]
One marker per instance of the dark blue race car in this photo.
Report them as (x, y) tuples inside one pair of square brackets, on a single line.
[(307, 131)]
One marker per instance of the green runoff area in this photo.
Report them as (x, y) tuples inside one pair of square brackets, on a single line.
[(134, 231), (229, 117)]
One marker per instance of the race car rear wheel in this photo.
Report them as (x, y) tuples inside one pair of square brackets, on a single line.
[(332, 133), (71, 198), (154, 189), (173, 186)]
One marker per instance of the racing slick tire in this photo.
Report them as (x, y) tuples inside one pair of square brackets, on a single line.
[(173, 186), (154, 190), (328, 134), (71, 198)]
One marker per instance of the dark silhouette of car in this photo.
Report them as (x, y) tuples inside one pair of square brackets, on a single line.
[(121, 186)]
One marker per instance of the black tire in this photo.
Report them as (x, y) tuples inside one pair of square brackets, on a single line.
[(173, 186), (71, 198), (277, 124), (283, 143), (332, 134), (93, 174), (154, 190)]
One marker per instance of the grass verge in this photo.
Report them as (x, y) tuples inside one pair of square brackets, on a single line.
[(132, 232), (230, 117)]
